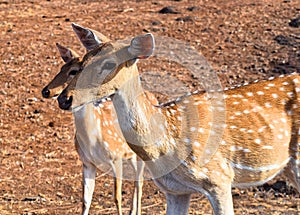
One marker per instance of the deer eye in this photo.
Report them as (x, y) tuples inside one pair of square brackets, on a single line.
[(73, 72), (109, 66)]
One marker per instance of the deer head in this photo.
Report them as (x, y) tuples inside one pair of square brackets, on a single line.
[(105, 70), (90, 39)]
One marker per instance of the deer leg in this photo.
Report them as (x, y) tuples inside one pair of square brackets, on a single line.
[(89, 174), (117, 170), (292, 172), (136, 208), (139, 184), (177, 204), (221, 200)]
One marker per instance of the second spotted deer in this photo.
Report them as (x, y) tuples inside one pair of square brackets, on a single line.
[(98, 139), (259, 136)]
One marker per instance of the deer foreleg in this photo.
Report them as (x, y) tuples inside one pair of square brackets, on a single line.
[(177, 204), (118, 174), (89, 174)]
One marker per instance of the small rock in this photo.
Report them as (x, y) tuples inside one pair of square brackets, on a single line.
[(156, 23), (282, 40), (193, 8), (295, 22), (185, 19), (168, 10)]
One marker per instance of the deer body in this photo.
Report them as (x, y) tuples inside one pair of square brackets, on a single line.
[(256, 145), (99, 142), (259, 136)]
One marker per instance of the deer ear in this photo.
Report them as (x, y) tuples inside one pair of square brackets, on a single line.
[(142, 46), (66, 54), (89, 38)]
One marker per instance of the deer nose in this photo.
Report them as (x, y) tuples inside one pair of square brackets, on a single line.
[(46, 92), (65, 102)]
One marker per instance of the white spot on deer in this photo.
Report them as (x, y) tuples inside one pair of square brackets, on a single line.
[(282, 89), (286, 133), (187, 140), (246, 150), (243, 129), (223, 142), (173, 111), (192, 129), (294, 106), (271, 78), (161, 127), (261, 129), (249, 94), (207, 151), (198, 103), (216, 172), (246, 111), (99, 122), (201, 130), (105, 144), (250, 131), (212, 132), (274, 95), (193, 158), (196, 144), (172, 141), (168, 114), (290, 94), (257, 141), (235, 148), (184, 163), (285, 83), (268, 105), (235, 103), (271, 84), (279, 136), (109, 132), (260, 93), (238, 113), (232, 127), (267, 147), (296, 80), (283, 120), (220, 108), (202, 175)]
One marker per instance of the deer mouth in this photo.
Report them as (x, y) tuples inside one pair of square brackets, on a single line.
[(46, 93), (65, 103)]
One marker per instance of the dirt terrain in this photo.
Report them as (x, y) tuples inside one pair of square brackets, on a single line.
[(40, 172)]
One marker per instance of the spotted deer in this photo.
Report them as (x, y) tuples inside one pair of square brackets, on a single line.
[(98, 139), (259, 134)]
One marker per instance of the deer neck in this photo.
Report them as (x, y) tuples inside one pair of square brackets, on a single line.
[(142, 126), (87, 125)]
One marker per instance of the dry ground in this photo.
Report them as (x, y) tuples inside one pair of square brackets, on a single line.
[(40, 172)]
